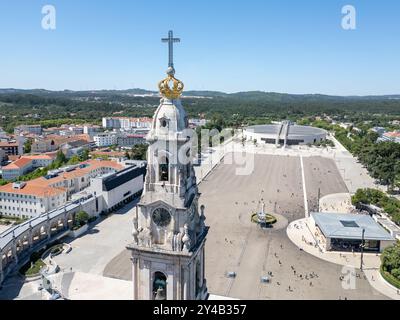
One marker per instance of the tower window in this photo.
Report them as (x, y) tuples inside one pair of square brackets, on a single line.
[(164, 122), (164, 170), (160, 286)]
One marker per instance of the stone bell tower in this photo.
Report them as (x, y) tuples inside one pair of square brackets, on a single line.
[(169, 232)]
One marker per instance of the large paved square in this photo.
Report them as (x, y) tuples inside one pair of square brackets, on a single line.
[(235, 244)]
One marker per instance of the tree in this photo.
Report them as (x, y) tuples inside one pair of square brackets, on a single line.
[(139, 152), (28, 146), (59, 161), (81, 218), (74, 160), (376, 197), (84, 156), (391, 260)]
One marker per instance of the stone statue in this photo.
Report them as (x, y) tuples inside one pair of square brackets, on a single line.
[(186, 238), (135, 231), (170, 238), (144, 237)]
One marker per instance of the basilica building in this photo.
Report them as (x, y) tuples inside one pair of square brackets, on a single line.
[(169, 231)]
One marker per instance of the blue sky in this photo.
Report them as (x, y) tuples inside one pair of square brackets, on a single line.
[(288, 46)]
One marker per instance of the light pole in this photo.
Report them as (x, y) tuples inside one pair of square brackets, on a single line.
[(362, 248)]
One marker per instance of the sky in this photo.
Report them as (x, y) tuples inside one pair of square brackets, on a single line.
[(287, 46)]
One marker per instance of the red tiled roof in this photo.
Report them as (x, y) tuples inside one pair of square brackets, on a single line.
[(18, 164), (9, 144), (33, 190), (392, 134)]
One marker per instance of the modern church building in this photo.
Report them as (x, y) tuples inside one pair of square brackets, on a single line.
[(284, 134)]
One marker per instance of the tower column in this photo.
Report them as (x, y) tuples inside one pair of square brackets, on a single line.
[(186, 288), (202, 268), (135, 278)]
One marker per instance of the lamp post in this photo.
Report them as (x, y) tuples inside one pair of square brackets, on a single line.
[(362, 248)]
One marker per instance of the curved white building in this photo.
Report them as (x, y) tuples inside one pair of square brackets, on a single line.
[(285, 134)]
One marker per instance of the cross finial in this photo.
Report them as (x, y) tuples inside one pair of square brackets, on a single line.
[(171, 40)]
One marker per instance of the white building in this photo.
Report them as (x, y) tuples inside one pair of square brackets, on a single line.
[(130, 140), (32, 129), (113, 190), (52, 190), (197, 122), (125, 123), (24, 199), (285, 134), (391, 137), (105, 139), (91, 130), (26, 164), (119, 187)]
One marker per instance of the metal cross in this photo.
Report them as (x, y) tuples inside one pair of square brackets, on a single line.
[(171, 40)]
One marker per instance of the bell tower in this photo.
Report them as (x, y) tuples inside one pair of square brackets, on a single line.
[(169, 230)]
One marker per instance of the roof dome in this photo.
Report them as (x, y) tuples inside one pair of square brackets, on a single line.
[(169, 119)]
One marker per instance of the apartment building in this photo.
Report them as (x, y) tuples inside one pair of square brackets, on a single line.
[(125, 123), (130, 140), (46, 193), (391, 136), (105, 139), (26, 164), (53, 142), (11, 148), (25, 199), (30, 129)]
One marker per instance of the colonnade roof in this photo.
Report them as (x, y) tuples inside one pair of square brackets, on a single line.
[(7, 236)]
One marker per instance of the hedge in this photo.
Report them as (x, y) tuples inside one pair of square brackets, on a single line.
[(389, 278)]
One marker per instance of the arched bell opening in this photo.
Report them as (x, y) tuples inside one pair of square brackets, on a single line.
[(164, 169), (159, 286)]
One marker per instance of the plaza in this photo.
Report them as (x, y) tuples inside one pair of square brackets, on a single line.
[(234, 243)]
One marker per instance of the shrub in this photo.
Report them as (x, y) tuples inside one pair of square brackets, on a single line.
[(378, 198), (391, 279), (92, 219), (34, 265), (81, 219), (56, 250), (390, 268)]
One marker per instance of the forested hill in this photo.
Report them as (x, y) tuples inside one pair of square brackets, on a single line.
[(249, 95), (51, 108)]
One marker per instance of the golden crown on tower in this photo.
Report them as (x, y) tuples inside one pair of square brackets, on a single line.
[(171, 88)]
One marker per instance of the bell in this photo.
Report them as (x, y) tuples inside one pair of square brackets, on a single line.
[(160, 295)]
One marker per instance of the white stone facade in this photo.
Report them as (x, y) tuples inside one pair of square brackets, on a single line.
[(168, 229)]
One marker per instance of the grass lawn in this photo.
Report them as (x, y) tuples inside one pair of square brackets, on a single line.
[(29, 270)]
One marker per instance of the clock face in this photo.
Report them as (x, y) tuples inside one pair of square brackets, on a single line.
[(161, 217)]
